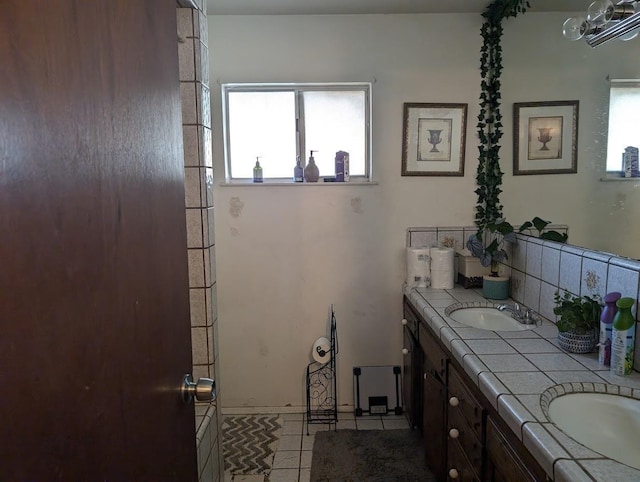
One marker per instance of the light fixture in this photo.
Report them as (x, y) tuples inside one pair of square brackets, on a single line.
[(604, 21)]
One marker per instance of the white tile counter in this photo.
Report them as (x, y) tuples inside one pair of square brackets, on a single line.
[(514, 369)]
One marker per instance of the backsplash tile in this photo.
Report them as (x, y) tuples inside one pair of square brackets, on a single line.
[(550, 264), (570, 272), (539, 269)]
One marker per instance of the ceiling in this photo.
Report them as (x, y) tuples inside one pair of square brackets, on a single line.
[(329, 7)]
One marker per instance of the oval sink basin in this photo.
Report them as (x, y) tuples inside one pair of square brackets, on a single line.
[(617, 432), (485, 318)]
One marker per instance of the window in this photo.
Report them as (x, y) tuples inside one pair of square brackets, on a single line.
[(624, 119), (279, 123)]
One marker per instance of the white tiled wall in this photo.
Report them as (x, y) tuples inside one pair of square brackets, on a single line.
[(193, 60), (540, 268)]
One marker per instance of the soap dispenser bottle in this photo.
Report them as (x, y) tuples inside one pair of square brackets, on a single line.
[(298, 173), (622, 338), (311, 171), (257, 171)]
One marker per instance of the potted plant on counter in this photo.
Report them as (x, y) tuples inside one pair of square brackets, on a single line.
[(578, 322)]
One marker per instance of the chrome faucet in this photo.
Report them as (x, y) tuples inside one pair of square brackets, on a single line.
[(523, 315)]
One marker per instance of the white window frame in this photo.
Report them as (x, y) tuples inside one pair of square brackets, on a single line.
[(298, 89), (614, 156)]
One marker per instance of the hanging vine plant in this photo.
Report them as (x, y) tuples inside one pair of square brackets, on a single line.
[(488, 215)]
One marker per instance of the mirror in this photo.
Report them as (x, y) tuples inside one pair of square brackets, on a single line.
[(539, 66)]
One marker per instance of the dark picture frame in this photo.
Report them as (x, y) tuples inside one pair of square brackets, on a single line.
[(545, 137), (434, 139)]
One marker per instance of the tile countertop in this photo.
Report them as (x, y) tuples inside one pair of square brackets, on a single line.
[(514, 368)]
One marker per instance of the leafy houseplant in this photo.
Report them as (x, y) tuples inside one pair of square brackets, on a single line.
[(578, 322), (503, 232)]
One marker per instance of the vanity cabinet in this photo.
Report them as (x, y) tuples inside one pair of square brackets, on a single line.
[(465, 438), (507, 459), (434, 410), (465, 424), (411, 369)]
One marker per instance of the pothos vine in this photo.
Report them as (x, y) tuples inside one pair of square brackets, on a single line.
[(489, 174)]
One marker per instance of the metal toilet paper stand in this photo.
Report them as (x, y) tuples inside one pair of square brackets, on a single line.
[(322, 400)]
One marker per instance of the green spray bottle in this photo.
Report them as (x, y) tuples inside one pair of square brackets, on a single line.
[(623, 338)]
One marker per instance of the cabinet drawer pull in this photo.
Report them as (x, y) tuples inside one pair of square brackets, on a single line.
[(404, 321), (405, 351), (453, 473), (454, 433), (454, 402)]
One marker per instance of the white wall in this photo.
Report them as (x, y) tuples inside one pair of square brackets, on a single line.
[(291, 251), (294, 250)]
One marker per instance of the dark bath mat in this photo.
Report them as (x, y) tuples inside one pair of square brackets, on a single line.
[(369, 455)]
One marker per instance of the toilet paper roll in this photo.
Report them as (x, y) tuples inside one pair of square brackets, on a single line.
[(321, 350), (418, 267), (442, 269)]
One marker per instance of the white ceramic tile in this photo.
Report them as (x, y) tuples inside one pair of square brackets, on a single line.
[(487, 347), (395, 424), (474, 333), (199, 346), (190, 145), (192, 187), (542, 446), (473, 366), (569, 471), (459, 349), (198, 307), (577, 450), (554, 362), (532, 293), (533, 346), (534, 259), (594, 278), (519, 256), (196, 268), (570, 272), (547, 303), (364, 423), (623, 280), (186, 60), (290, 442), (603, 469), (286, 459), (188, 102), (451, 238), (517, 286), (507, 363), (491, 387), (574, 376), (419, 239), (514, 413), (284, 475), (292, 428), (532, 404), (525, 382), (550, 265)]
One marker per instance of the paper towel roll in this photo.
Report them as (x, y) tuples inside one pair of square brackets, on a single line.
[(321, 350), (442, 270), (418, 267)]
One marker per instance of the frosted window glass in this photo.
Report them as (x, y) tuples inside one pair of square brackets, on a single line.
[(624, 119), (262, 124), (335, 121)]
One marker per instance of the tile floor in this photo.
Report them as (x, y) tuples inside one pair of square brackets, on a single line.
[(292, 461)]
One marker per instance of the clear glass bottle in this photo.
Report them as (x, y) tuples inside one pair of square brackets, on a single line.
[(257, 171)]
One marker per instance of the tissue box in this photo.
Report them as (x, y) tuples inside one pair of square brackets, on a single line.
[(470, 271)]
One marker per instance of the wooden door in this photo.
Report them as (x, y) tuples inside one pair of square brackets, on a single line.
[(94, 315)]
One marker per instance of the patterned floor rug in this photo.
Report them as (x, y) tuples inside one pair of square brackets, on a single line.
[(249, 443)]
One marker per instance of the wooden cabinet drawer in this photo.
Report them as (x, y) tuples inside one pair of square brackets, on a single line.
[(434, 355), (462, 401), (458, 431), (458, 468)]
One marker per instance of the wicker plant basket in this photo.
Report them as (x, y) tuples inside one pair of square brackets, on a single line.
[(575, 343)]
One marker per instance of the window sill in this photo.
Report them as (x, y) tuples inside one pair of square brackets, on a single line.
[(280, 183), (618, 179)]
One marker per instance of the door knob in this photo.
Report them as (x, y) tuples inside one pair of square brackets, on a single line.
[(204, 390), (404, 321), (405, 351)]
